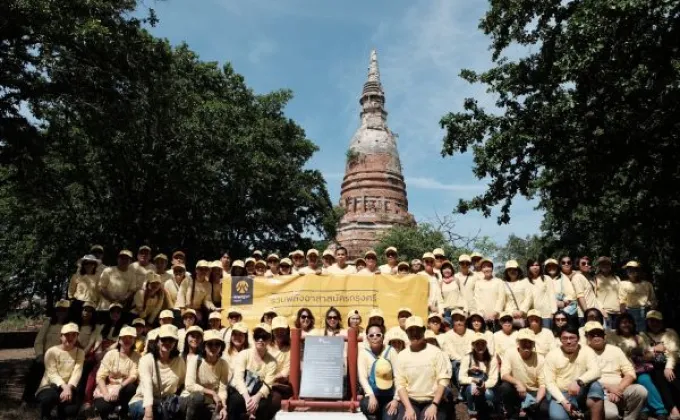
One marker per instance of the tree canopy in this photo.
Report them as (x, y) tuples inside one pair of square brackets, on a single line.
[(110, 135), (586, 121)]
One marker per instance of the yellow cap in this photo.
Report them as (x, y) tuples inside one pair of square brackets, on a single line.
[(434, 315), (212, 335), (260, 262), (154, 278), (312, 252), (238, 263), (511, 264), (144, 248), (138, 321), (396, 334), (160, 257), (358, 260), (328, 253), (178, 254), (464, 258), (215, 315), (264, 327), (632, 264), (458, 312), (505, 315), (279, 322), (71, 327), (182, 266), (430, 334), (592, 326), (89, 305), (233, 310), (534, 312), (286, 261), (298, 252), (216, 264), (240, 327), (64, 304), (525, 334), (403, 264), (353, 312), (168, 331), (478, 337), (250, 260), (476, 313), (550, 261), (194, 329), (269, 310), (384, 375), (376, 312), (486, 260), (272, 257), (439, 252), (128, 332), (655, 315), (391, 249), (202, 264), (415, 321), (476, 255), (370, 252), (404, 309), (125, 253), (257, 252), (166, 313), (188, 311), (428, 256), (115, 305)]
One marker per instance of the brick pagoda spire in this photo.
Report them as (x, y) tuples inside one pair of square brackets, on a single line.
[(373, 192)]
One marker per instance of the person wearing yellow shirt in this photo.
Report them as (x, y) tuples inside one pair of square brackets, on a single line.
[(571, 372), (489, 294), (451, 290), (216, 277), (253, 399), (280, 350), (665, 344), (312, 266), (117, 376), (456, 343), (584, 286), (390, 267), (522, 389), (341, 266), (117, 284), (140, 340), (466, 278), (636, 296), (63, 369), (149, 301), (617, 377), (505, 338), (607, 291), (479, 377), (172, 285), (543, 291), (543, 337), (565, 296), (376, 366), (435, 301), (476, 324), (403, 314), (143, 267), (195, 293), (476, 258), (83, 286), (371, 264), (518, 293), (422, 374), (205, 392)]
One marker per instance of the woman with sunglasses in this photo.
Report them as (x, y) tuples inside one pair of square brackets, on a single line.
[(254, 373), (161, 375), (565, 296), (280, 350), (376, 381), (193, 342), (584, 288), (117, 376), (560, 321), (566, 266), (238, 341), (591, 314), (305, 321), (333, 324), (205, 394)]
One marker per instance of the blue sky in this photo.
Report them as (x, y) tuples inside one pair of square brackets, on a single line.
[(320, 50)]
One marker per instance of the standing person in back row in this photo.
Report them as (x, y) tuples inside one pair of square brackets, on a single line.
[(143, 266), (607, 291), (391, 266), (489, 295), (423, 372), (117, 284), (584, 288), (341, 266), (637, 296)]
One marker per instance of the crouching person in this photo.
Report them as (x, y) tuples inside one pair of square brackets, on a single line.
[(522, 389), (117, 376), (63, 369), (617, 377), (423, 372), (254, 374), (376, 375), (479, 376), (571, 374), (205, 394)]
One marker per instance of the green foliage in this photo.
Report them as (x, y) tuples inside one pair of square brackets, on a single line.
[(109, 135), (586, 122), (351, 156), (521, 250)]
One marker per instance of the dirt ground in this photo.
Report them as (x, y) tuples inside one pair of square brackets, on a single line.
[(14, 354)]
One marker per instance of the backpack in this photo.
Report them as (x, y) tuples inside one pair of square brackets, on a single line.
[(371, 374)]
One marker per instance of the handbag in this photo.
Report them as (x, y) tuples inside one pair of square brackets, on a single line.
[(253, 382), (570, 309), (168, 407), (659, 357)]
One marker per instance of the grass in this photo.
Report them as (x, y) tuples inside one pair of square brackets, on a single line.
[(17, 322)]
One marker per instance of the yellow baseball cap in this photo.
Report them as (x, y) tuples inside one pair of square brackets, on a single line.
[(166, 313), (312, 252), (464, 258), (238, 263), (128, 332), (125, 253), (391, 249), (240, 327), (212, 335), (405, 309), (202, 264), (138, 321), (370, 252), (505, 315), (216, 264), (592, 326), (269, 310), (550, 261), (434, 315), (279, 322), (439, 252), (154, 278), (160, 257), (415, 321), (478, 337), (655, 315), (71, 327), (115, 305), (534, 312), (233, 310), (89, 304), (215, 315), (458, 312), (286, 261), (376, 312), (194, 329), (525, 334), (486, 260), (476, 255), (428, 256), (168, 331), (353, 312), (511, 264), (298, 252), (396, 334), (403, 264), (144, 248), (430, 334), (264, 327), (328, 253), (260, 262), (188, 311), (632, 264), (64, 304), (272, 257), (257, 252), (384, 376)]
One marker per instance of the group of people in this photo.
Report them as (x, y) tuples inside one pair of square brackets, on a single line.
[(146, 339)]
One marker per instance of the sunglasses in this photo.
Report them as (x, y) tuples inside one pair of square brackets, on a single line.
[(213, 344), (464, 263), (566, 262), (585, 264), (167, 340), (261, 337), (560, 319), (391, 255), (332, 317), (305, 316), (439, 257), (375, 335)]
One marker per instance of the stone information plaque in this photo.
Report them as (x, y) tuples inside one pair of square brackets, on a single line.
[(324, 368)]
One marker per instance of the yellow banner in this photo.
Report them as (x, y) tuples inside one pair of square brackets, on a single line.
[(287, 294)]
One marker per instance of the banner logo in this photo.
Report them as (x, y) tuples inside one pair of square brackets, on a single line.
[(242, 291)]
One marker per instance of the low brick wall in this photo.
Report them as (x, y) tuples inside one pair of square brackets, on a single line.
[(17, 339)]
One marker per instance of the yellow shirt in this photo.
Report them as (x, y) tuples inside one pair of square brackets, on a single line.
[(637, 295), (172, 288), (545, 341), (84, 288), (562, 369), (206, 376), (614, 365), (586, 290), (562, 284), (467, 283), (669, 338), (264, 368), (365, 363), (629, 344), (201, 295), (89, 336), (453, 294), (419, 373), (607, 293), (456, 346), (118, 284), (386, 269), (518, 295), (142, 273), (529, 372), (154, 305), (117, 367), (491, 369), (48, 336), (544, 297), (282, 357), (171, 379), (62, 367), (335, 269), (503, 342), (489, 296)]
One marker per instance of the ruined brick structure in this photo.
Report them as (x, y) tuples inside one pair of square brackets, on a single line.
[(373, 192)]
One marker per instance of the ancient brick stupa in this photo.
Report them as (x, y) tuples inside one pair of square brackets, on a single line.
[(373, 192)]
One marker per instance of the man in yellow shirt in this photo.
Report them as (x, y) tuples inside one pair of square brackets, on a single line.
[(423, 373), (341, 266), (618, 375), (522, 389), (571, 373), (607, 291)]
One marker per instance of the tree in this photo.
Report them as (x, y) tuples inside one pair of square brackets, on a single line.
[(586, 122), (112, 136), (521, 250)]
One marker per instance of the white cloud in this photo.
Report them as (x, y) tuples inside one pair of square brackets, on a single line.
[(261, 49), (432, 184)]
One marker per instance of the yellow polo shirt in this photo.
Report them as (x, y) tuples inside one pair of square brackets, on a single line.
[(529, 372), (489, 295), (637, 295), (561, 369), (614, 365), (607, 293), (419, 373)]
